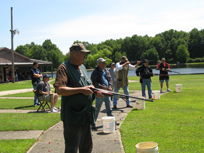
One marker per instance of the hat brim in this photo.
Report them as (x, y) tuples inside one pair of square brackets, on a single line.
[(84, 50)]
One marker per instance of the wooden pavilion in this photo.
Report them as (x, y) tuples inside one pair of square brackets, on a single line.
[(22, 65)]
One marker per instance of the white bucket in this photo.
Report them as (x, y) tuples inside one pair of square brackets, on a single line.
[(178, 87), (108, 124), (147, 147), (140, 104), (156, 94)]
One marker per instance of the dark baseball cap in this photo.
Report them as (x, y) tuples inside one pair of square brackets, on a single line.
[(46, 76), (146, 61), (79, 47)]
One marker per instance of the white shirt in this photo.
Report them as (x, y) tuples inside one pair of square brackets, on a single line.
[(119, 67)]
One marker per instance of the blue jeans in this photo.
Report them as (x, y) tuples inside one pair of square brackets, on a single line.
[(149, 87), (99, 102), (35, 98), (125, 90), (16, 78)]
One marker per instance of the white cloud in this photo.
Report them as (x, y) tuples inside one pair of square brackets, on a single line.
[(99, 27)]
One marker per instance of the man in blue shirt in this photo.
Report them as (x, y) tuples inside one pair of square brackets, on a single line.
[(35, 76), (101, 78)]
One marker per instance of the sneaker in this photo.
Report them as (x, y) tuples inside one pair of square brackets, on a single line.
[(116, 123), (130, 106), (53, 111), (115, 107), (161, 90), (55, 108), (169, 90)]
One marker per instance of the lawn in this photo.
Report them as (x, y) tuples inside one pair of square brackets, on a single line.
[(25, 94), (19, 85), (21, 104), (29, 121), (15, 146), (175, 121)]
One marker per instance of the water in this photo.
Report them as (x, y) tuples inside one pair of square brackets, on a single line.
[(181, 70)]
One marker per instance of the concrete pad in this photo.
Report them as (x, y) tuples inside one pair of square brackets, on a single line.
[(107, 146), (55, 133), (8, 92), (16, 97), (30, 134), (47, 146), (17, 111)]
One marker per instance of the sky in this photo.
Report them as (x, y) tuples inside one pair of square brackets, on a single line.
[(65, 21)]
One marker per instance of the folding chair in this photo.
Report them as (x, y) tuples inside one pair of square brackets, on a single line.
[(43, 103)]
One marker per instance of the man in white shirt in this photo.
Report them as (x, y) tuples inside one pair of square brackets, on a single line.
[(121, 72)]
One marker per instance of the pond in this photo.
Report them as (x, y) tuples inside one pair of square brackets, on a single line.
[(187, 69)]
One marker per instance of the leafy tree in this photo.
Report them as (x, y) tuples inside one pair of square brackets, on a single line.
[(195, 43), (182, 53), (38, 52), (66, 57), (22, 50), (156, 43), (151, 54), (53, 53), (91, 59)]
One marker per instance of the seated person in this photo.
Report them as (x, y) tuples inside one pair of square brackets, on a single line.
[(44, 93)]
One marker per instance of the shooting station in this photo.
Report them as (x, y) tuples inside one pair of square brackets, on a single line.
[(22, 66)]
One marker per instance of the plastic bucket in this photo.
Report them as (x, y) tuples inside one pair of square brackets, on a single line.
[(140, 104), (108, 124), (156, 94), (147, 147), (178, 87)]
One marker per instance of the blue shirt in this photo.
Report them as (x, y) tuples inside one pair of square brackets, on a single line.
[(104, 77), (35, 71)]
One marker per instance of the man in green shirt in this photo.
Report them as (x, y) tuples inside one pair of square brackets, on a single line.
[(77, 113)]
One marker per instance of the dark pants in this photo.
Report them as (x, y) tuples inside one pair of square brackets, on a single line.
[(77, 137)]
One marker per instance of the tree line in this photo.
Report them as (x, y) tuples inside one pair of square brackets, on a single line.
[(175, 46)]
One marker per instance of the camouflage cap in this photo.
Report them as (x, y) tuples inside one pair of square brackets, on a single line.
[(79, 47), (124, 58)]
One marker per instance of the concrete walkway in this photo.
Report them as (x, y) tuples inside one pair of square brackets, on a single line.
[(52, 140)]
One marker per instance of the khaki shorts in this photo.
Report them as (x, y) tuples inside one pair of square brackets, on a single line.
[(45, 98)]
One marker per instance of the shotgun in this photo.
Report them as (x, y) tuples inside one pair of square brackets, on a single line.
[(115, 94)]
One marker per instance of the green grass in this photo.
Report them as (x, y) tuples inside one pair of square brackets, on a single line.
[(29, 121), (16, 85), (21, 104), (15, 146), (19, 85), (175, 121), (25, 94)]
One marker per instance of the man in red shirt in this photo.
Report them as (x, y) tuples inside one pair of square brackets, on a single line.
[(164, 68)]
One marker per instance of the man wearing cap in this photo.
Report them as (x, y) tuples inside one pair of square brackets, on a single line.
[(164, 68), (77, 113), (101, 79), (112, 72), (145, 74), (121, 73), (35, 76), (44, 93)]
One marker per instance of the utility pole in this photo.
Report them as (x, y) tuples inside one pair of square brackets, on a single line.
[(12, 53)]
